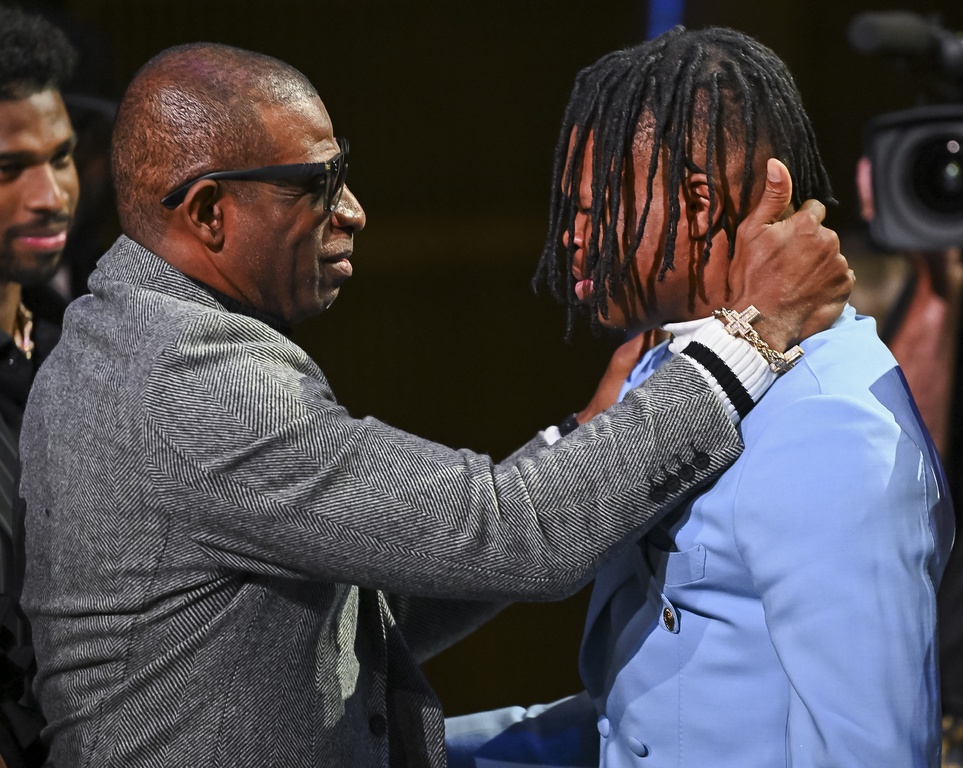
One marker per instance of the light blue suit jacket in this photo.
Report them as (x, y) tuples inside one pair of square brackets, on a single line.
[(787, 616)]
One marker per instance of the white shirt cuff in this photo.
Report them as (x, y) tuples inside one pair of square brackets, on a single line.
[(746, 364), (551, 435)]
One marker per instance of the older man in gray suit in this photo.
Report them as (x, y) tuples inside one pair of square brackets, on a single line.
[(212, 538)]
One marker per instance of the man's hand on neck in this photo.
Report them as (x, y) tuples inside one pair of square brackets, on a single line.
[(789, 268)]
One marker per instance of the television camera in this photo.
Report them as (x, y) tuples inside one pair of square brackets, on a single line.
[(916, 154)]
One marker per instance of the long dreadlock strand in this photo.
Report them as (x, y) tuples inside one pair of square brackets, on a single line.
[(712, 132)]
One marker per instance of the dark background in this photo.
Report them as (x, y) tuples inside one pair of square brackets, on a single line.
[(452, 109)]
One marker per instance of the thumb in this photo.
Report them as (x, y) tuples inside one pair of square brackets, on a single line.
[(777, 196)]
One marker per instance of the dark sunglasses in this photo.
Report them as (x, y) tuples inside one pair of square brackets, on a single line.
[(326, 180)]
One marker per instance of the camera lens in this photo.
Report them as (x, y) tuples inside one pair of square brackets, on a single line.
[(937, 174)]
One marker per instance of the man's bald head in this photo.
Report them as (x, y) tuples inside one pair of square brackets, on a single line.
[(192, 109)]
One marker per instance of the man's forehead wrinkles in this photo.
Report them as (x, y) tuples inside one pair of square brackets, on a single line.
[(303, 126), (319, 140)]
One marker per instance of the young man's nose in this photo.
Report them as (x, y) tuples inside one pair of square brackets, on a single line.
[(579, 237), (44, 189)]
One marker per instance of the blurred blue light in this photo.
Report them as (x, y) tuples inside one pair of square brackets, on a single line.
[(663, 15)]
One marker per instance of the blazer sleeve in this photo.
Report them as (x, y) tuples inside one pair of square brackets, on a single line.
[(275, 477), (835, 518)]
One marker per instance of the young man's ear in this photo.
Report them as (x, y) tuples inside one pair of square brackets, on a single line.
[(697, 206)]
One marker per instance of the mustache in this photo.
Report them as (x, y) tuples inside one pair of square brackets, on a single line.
[(41, 222)]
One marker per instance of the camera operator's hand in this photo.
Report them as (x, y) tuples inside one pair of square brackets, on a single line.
[(789, 267), (924, 341)]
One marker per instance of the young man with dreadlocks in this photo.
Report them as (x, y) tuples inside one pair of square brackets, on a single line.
[(787, 615)]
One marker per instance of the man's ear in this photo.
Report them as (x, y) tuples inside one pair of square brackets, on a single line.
[(696, 189), (203, 213)]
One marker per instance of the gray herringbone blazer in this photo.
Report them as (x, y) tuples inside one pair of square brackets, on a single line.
[(217, 551)]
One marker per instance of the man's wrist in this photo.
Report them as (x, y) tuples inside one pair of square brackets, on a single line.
[(739, 324), (734, 370)]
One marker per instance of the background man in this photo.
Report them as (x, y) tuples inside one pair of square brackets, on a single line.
[(38, 194), (38, 197), (211, 537), (787, 615)]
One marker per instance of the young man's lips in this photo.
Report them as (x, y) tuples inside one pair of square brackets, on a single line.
[(583, 290), (583, 285), (43, 241)]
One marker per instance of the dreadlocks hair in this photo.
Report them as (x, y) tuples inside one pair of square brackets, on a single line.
[(34, 55), (715, 85)]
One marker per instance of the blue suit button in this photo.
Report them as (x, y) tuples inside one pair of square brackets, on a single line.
[(669, 619), (638, 747), (605, 727)]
